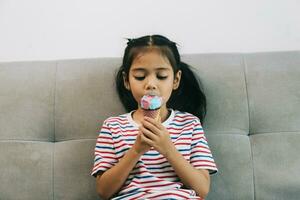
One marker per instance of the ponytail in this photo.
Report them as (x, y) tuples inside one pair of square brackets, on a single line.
[(189, 97)]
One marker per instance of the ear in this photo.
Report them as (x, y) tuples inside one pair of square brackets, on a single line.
[(126, 81), (176, 81)]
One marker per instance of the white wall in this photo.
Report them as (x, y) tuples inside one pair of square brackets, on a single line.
[(60, 29)]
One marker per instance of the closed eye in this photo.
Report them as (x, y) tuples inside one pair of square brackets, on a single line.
[(139, 78), (161, 77)]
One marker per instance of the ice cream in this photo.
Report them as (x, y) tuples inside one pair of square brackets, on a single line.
[(151, 105)]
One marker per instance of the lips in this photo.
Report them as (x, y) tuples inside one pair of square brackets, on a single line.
[(152, 94)]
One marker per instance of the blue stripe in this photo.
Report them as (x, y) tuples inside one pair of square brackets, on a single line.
[(129, 140), (141, 177), (149, 168), (105, 133), (137, 177), (180, 125), (202, 142), (119, 126), (104, 147), (151, 154), (198, 129), (131, 193), (180, 150), (201, 156), (116, 137), (126, 149), (187, 133), (181, 135)]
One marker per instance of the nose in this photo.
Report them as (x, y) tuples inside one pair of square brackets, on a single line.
[(150, 84)]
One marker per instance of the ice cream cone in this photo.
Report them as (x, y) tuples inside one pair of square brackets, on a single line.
[(155, 114), (151, 105)]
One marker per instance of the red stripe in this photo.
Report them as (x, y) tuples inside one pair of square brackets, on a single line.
[(198, 134), (202, 165), (150, 158), (102, 143), (120, 130), (182, 143), (153, 159), (105, 128), (132, 135), (180, 129), (136, 197), (201, 146), (184, 119), (121, 145), (147, 182), (103, 137), (104, 151), (117, 119), (166, 194), (184, 116), (200, 151), (108, 157), (155, 185), (139, 172), (125, 122), (163, 172), (97, 166), (183, 138), (195, 161), (170, 176)]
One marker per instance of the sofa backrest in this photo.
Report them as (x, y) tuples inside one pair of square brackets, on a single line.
[(51, 112)]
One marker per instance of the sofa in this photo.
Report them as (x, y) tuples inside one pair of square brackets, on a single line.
[(51, 112)]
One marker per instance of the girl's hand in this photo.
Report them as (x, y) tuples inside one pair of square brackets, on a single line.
[(140, 147), (156, 136)]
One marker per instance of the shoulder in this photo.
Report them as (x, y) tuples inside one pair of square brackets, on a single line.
[(117, 120), (181, 115)]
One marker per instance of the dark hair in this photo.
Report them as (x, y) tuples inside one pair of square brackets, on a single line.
[(189, 96)]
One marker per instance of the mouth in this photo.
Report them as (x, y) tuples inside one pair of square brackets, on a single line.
[(151, 94)]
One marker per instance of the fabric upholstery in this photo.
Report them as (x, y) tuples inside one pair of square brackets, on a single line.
[(51, 112)]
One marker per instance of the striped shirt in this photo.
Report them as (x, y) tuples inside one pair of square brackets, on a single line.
[(153, 177)]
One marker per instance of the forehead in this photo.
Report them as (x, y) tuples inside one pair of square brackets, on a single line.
[(150, 59)]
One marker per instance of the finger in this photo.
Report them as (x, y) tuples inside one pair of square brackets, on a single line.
[(152, 127), (154, 122), (149, 134), (146, 140)]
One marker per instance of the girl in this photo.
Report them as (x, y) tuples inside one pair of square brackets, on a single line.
[(137, 157)]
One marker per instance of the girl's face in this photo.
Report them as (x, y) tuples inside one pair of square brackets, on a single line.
[(151, 73)]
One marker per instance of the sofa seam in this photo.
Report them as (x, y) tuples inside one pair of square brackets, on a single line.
[(245, 67), (54, 107), (39, 141), (54, 133), (246, 88)]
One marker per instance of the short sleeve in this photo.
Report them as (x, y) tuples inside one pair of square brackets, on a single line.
[(105, 156), (201, 156)]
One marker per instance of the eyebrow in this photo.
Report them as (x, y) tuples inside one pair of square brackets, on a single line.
[(143, 69)]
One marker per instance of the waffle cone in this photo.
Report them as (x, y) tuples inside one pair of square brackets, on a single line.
[(155, 114)]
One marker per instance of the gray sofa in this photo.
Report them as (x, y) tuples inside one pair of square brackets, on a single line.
[(50, 112)]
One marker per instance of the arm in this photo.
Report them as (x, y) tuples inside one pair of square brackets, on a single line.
[(110, 182), (156, 135), (198, 180)]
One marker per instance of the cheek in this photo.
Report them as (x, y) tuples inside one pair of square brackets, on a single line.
[(168, 91), (135, 89)]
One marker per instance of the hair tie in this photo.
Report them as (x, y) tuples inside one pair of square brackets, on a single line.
[(130, 41)]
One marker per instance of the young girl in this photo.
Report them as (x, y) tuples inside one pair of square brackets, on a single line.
[(137, 157)]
